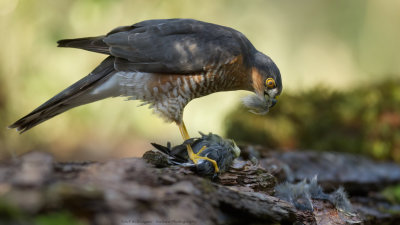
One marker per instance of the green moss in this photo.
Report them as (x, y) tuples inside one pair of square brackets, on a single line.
[(9, 212), (392, 194), (59, 218)]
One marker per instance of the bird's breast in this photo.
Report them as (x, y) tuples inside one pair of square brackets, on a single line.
[(168, 94)]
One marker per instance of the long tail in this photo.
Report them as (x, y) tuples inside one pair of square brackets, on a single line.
[(93, 44), (68, 98)]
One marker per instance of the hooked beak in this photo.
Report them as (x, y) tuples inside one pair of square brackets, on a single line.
[(273, 102)]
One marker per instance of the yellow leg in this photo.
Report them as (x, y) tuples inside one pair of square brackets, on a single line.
[(195, 156)]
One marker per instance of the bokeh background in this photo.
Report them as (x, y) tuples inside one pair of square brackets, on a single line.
[(339, 61)]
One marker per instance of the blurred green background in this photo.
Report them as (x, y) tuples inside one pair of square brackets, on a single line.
[(336, 59)]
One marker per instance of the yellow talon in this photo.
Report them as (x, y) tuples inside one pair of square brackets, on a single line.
[(202, 148), (195, 156), (216, 169)]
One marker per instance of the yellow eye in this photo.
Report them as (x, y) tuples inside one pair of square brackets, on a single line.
[(270, 83)]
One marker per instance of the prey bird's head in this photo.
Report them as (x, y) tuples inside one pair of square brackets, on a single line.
[(266, 83)]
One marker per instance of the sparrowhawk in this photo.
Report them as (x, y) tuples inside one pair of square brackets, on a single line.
[(166, 63)]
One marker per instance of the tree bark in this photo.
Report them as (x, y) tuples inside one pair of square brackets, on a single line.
[(132, 191)]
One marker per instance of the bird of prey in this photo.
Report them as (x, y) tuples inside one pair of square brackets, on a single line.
[(166, 63)]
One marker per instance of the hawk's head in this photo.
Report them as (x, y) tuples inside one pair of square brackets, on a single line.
[(266, 82)]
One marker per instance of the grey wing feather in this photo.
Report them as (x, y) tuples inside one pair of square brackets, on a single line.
[(93, 44), (175, 46), (65, 99), (180, 46)]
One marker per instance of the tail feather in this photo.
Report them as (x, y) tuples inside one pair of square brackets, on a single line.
[(66, 99), (93, 44)]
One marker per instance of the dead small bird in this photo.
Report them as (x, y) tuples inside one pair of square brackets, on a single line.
[(221, 151)]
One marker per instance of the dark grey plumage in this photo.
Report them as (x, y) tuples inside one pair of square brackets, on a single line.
[(297, 194), (340, 199), (178, 46), (164, 63), (301, 194), (223, 151), (93, 44)]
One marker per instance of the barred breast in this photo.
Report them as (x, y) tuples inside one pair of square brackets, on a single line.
[(168, 94)]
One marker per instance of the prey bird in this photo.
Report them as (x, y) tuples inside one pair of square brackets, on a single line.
[(212, 146), (166, 63)]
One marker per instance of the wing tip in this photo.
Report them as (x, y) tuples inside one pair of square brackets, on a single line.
[(64, 42), (93, 44), (61, 43), (20, 125), (27, 122), (19, 129)]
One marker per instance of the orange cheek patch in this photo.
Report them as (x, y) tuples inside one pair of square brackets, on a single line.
[(258, 82)]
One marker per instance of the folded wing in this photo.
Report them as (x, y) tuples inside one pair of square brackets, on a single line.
[(179, 46)]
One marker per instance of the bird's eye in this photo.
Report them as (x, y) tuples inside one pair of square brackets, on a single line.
[(270, 83)]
